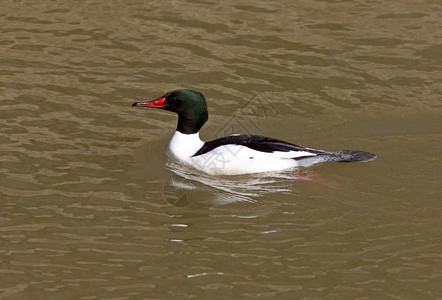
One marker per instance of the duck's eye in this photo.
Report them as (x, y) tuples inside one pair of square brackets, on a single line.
[(175, 100)]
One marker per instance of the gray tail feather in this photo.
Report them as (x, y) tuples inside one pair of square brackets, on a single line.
[(353, 156), (349, 156), (340, 156)]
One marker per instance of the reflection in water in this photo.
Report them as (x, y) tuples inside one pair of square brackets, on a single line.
[(179, 191), (182, 187)]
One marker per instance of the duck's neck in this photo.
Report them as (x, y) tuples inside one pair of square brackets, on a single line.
[(192, 120), (183, 146)]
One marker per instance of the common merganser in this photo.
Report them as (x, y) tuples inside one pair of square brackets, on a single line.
[(235, 154)]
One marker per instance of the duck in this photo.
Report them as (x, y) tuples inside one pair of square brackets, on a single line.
[(235, 154)]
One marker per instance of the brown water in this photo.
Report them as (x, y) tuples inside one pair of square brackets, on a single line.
[(91, 208)]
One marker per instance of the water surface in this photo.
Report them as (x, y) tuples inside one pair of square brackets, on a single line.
[(92, 208)]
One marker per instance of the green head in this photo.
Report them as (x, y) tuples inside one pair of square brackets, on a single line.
[(190, 106)]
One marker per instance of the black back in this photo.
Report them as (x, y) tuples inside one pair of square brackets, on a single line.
[(255, 142)]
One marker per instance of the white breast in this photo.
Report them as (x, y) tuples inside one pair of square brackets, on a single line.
[(183, 146)]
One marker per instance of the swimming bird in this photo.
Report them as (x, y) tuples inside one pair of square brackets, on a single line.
[(235, 154)]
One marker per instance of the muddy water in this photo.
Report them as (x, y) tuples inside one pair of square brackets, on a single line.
[(91, 207)]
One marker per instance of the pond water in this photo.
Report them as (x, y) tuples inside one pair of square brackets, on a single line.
[(92, 208)]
